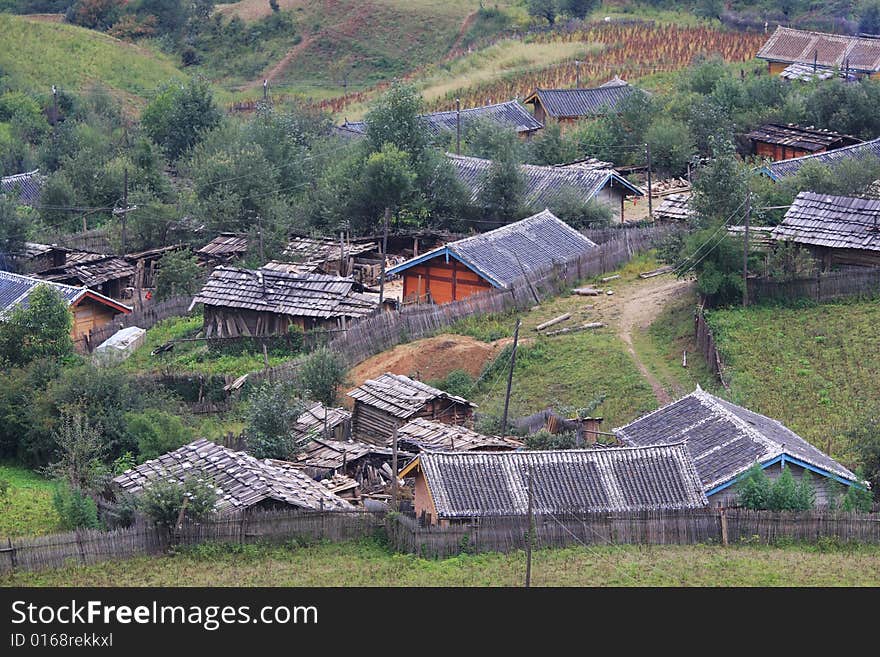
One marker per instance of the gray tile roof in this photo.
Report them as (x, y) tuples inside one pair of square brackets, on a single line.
[(543, 183), (806, 73), (241, 479), (399, 395), (724, 439), (806, 138), (15, 290), (827, 50), (596, 101), (474, 484), (501, 256), (674, 207), (839, 222), (298, 295), (511, 114), (423, 434), (26, 186), (783, 168)]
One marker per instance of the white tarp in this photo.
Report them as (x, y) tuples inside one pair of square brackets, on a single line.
[(120, 345)]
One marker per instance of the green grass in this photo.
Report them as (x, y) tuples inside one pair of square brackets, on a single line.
[(36, 55), (815, 368), (192, 356), (27, 509), (367, 563)]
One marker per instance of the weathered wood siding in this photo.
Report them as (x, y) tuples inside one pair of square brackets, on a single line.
[(373, 425), (444, 281), (778, 152), (234, 322), (88, 315)]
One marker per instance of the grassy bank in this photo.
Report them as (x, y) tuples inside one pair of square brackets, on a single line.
[(27, 508)]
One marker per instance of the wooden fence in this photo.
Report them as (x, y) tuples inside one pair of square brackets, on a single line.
[(850, 282), (93, 546), (686, 527), (706, 343), (145, 317)]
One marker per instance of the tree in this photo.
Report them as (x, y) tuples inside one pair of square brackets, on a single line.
[(179, 274), (864, 436), (322, 373), (671, 146), (543, 9), (503, 188), (13, 228), (394, 119), (753, 490), (784, 492), (40, 330), (180, 115), (578, 8), (156, 432), (551, 147), (388, 178), (716, 259), (569, 206), (270, 421), (869, 18), (94, 14), (170, 14), (81, 450), (164, 499), (720, 187), (76, 510)]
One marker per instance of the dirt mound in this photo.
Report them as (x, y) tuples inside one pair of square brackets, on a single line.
[(430, 359)]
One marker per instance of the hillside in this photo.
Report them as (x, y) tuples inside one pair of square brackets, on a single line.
[(36, 54)]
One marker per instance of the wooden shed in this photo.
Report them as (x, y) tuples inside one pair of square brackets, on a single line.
[(388, 402), (779, 141), (566, 106), (223, 249), (495, 259), (866, 151), (837, 230), (246, 302), (854, 55), (109, 275)]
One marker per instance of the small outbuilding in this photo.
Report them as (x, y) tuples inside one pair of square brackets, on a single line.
[(223, 249), (779, 141), (566, 106), (866, 151), (386, 403), (852, 54)]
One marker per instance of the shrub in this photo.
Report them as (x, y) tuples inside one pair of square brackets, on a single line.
[(163, 500), (270, 421), (543, 439), (754, 489), (156, 432), (321, 374), (457, 382), (75, 509)]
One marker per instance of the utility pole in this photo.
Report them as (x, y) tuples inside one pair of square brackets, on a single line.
[(260, 233), (384, 255), (531, 528), (395, 505), (650, 202), (124, 206), (458, 126), (746, 250), (55, 119), (265, 90), (510, 379)]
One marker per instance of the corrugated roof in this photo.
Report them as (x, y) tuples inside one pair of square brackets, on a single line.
[(475, 484), (828, 50), (241, 480), (400, 395), (783, 168), (510, 114), (724, 439), (26, 186), (282, 293), (806, 138), (543, 183), (422, 434), (15, 290), (839, 222), (595, 101), (503, 255)]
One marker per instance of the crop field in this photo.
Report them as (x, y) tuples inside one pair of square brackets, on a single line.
[(369, 563)]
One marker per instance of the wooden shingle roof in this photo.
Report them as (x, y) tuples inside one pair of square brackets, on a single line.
[(479, 484), (240, 479), (543, 183), (791, 46), (26, 187), (90, 269), (225, 246), (502, 256), (400, 395), (298, 295), (422, 434), (335, 454), (674, 207), (317, 417), (572, 103), (838, 222), (860, 151), (15, 290), (724, 440), (322, 249), (805, 138), (510, 114)]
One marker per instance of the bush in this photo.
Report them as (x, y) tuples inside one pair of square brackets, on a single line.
[(543, 439), (163, 500), (757, 492), (270, 422), (321, 374), (76, 509), (754, 489), (156, 432), (457, 382)]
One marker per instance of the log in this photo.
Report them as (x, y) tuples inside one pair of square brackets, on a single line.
[(552, 322), (586, 291), (577, 329), (656, 272), (610, 278)]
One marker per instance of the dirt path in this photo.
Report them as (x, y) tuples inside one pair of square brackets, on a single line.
[(638, 305), (465, 26), (279, 66)]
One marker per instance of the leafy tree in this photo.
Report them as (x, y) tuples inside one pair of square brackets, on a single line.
[(569, 206), (40, 330), (720, 187), (543, 9), (163, 500), (157, 432), (805, 493), (578, 8), (180, 115), (179, 274), (270, 421), (869, 17), (753, 490), (671, 146), (322, 373), (170, 14), (80, 452), (13, 228), (503, 188), (709, 8), (94, 14), (394, 119), (790, 261), (76, 510), (716, 259), (857, 499), (388, 178), (864, 436), (551, 147), (783, 492)]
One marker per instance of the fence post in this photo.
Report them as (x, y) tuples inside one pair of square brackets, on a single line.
[(723, 515), (11, 553), (79, 545)]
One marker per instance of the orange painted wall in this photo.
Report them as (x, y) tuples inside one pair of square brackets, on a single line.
[(776, 152), (445, 281)]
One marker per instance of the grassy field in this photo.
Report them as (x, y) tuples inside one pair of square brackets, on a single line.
[(814, 368), (368, 563), (27, 509), (37, 54)]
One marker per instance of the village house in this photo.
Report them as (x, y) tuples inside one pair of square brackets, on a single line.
[(242, 481), (725, 440), (359, 260), (545, 184), (779, 141), (223, 249), (853, 55), (863, 151), (510, 115), (90, 309), (567, 106), (146, 265), (495, 259), (328, 423), (35, 257), (246, 302), (110, 275), (25, 188), (455, 487), (422, 434), (837, 230), (384, 404)]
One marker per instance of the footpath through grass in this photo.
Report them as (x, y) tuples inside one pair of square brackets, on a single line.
[(27, 508), (368, 563)]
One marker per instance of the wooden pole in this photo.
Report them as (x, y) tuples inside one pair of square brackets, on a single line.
[(510, 379), (458, 126), (124, 206), (384, 255), (650, 202), (529, 536), (395, 505), (260, 233), (746, 251)]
